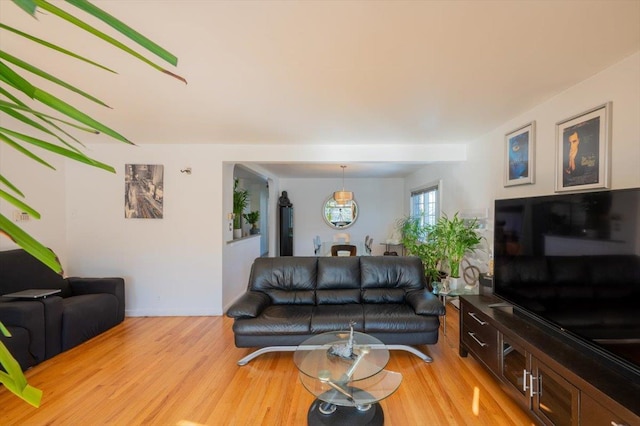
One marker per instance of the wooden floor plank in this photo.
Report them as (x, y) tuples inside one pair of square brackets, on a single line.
[(182, 371)]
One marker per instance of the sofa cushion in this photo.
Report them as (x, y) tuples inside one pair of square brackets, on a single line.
[(86, 316), (277, 319), (386, 279), (287, 280), (396, 317), (337, 317), (21, 271), (18, 345), (338, 280)]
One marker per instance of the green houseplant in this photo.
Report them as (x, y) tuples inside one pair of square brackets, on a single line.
[(240, 200), (252, 218), (458, 237), (424, 242)]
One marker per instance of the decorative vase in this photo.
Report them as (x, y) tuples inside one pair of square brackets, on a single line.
[(454, 282), (237, 233), (254, 231)]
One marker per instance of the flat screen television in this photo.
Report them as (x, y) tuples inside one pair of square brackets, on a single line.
[(572, 262)]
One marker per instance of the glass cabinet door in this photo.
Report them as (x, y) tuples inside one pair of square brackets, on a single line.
[(555, 399), (515, 368)]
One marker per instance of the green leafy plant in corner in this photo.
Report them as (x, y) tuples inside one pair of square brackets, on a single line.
[(18, 94), (424, 242), (240, 200), (459, 237)]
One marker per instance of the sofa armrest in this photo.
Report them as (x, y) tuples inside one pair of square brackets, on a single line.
[(112, 285), (249, 305), (424, 302), (30, 316)]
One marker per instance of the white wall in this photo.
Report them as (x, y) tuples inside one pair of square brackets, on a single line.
[(44, 191), (380, 203), (477, 182), (174, 266)]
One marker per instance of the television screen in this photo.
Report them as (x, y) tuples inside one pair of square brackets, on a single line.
[(573, 260)]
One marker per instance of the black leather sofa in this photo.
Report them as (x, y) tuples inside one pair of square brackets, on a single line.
[(44, 327), (290, 299)]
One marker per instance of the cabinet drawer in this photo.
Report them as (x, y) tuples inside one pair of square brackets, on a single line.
[(481, 338), (593, 413)]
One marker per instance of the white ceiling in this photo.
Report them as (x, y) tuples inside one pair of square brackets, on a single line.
[(336, 72)]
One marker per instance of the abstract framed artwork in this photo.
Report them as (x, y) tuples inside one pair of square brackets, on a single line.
[(144, 191), (583, 144), (519, 155)]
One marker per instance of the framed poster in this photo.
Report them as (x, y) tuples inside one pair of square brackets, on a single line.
[(583, 150), (144, 191), (519, 155)]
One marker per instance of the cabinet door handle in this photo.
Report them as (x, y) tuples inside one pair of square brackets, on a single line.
[(531, 379), (473, 315), (614, 423), (473, 336), (524, 381)]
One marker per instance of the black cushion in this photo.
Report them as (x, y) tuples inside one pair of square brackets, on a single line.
[(276, 320), (396, 317), (86, 316), (287, 280), (337, 317), (21, 271)]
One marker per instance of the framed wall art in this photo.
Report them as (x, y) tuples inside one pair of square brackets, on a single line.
[(583, 150), (519, 155), (144, 191)]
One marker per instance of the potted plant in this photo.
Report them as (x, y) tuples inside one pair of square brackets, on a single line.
[(458, 238), (240, 199), (424, 242), (252, 218)]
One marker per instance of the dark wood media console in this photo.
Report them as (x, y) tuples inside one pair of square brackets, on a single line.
[(560, 381)]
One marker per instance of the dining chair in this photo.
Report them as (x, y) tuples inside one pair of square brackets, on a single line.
[(343, 247), (342, 237)]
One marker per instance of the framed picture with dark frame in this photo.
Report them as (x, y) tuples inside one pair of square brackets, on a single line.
[(519, 155), (583, 145)]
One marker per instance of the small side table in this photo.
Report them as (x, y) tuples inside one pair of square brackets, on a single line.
[(453, 294)]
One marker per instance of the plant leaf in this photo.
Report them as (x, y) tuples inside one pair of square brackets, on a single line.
[(75, 21), (80, 157), (47, 76), (19, 204), (14, 79), (124, 29), (55, 47), (29, 244), (11, 186), (24, 151), (28, 6)]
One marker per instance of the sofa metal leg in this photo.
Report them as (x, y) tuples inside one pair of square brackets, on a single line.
[(261, 351), (419, 354)]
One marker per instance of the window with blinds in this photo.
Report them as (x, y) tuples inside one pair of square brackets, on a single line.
[(425, 204)]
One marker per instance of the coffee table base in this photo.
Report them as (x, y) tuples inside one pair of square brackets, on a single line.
[(345, 416)]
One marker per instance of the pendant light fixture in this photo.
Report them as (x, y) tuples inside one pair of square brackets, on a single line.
[(342, 197)]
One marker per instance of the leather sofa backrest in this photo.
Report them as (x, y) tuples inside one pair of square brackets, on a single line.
[(386, 279), (286, 280), (338, 280), (21, 271)]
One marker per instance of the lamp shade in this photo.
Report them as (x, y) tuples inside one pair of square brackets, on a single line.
[(342, 197)]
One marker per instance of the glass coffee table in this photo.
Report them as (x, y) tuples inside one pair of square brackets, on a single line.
[(345, 371)]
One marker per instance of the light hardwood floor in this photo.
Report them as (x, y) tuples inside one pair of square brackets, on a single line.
[(182, 371)]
